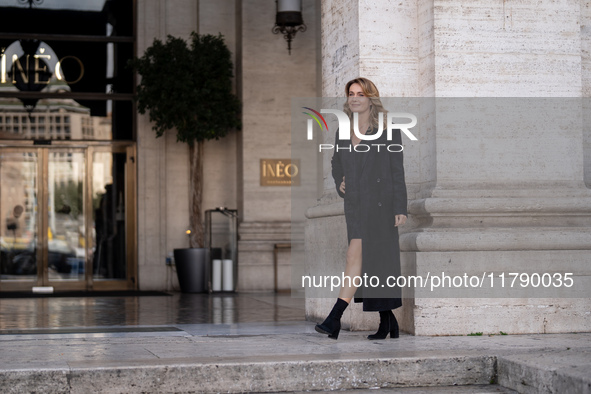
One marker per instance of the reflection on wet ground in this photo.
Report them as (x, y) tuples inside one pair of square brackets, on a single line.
[(153, 310)]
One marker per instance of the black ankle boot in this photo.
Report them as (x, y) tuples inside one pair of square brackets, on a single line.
[(388, 324), (332, 324)]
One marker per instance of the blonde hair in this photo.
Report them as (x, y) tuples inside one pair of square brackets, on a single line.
[(370, 91)]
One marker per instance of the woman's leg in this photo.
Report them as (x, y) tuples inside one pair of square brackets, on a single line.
[(352, 269), (332, 324)]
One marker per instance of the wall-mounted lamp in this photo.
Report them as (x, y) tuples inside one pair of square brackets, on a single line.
[(289, 20), (31, 2)]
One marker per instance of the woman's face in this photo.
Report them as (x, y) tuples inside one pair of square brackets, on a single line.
[(358, 102)]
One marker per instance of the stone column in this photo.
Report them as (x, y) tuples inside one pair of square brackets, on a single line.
[(514, 199), (478, 202)]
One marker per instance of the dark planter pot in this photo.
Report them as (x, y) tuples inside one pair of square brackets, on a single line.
[(191, 269)]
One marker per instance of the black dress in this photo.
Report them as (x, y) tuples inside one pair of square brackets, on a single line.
[(375, 193)]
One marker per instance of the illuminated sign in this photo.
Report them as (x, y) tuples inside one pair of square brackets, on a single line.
[(30, 66)]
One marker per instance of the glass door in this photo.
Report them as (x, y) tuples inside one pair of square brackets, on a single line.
[(66, 252), (19, 219), (67, 218), (112, 215)]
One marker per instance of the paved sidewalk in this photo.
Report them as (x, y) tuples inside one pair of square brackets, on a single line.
[(288, 356)]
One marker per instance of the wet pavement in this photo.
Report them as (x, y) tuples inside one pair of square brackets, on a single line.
[(258, 343), (179, 308)]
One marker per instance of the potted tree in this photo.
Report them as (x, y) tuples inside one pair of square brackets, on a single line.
[(188, 88)]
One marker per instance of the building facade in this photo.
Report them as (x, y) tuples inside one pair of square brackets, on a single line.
[(67, 146), (91, 200)]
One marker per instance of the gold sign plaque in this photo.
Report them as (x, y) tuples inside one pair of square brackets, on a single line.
[(280, 172)]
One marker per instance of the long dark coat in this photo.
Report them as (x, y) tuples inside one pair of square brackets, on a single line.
[(375, 192)]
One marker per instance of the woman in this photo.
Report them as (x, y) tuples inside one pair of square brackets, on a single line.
[(375, 205)]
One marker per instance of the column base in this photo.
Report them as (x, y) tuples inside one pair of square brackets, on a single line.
[(469, 315)]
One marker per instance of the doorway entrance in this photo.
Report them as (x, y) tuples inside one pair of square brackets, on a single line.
[(67, 216)]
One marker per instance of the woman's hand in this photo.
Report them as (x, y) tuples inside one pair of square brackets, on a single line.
[(342, 187), (399, 220)]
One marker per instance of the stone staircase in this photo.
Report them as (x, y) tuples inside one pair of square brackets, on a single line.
[(185, 361)]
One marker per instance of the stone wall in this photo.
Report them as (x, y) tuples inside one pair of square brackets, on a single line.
[(163, 172), (266, 79), (269, 77)]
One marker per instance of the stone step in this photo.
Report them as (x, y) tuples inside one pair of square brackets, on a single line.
[(199, 359), (551, 371), (253, 374), (468, 374), (472, 389)]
